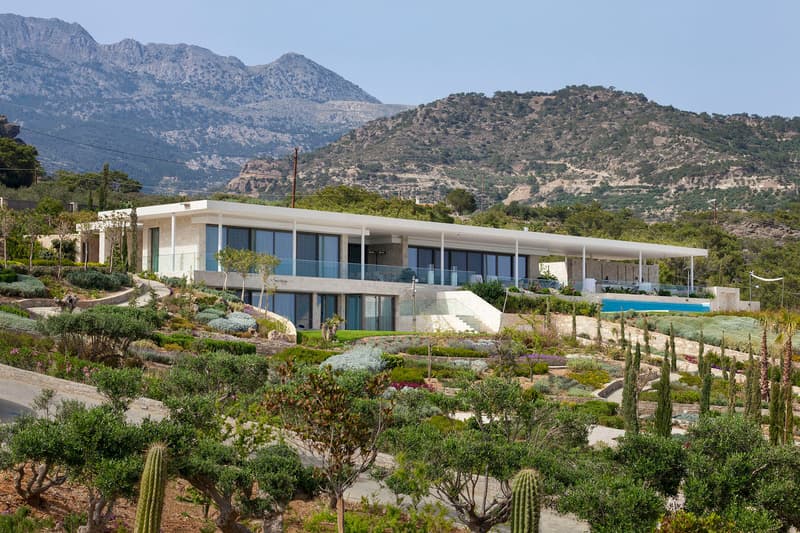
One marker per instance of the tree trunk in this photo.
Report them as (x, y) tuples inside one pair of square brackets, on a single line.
[(340, 514), (273, 523)]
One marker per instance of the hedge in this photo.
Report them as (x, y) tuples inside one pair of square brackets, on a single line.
[(25, 287), (7, 276), (97, 280), (446, 351), (299, 354), (233, 347), (407, 375)]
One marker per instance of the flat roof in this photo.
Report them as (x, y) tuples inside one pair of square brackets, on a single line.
[(454, 234)]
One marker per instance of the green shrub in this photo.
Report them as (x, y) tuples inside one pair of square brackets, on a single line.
[(407, 375), (582, 363), (183, 340), (658, 462), (597, 408), (98, 280), (7, 276), (300, 354), (14, 310), (446, 351), (207, 315), (25, 287), (393, 361), (615, 421), (595, 379), (15, 322), (233, 347), (22, 522), (446, 424), (265, 325)]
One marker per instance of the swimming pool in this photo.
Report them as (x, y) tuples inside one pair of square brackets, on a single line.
[(615, 306)]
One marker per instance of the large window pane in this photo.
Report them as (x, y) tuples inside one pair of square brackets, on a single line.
[(306, 254), (504, 266), (412, 257), (327, 306), (238, 238), (155, 248), (302, 310), (283, 251), (474, 262), (386, 319), (489, 266), (282, 303), (353, 312), (371, 312), (211, 248), (522, 267), (265, 242), (329, 256)]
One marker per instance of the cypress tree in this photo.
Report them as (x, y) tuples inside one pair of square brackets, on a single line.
[(574, 323), (124, 248), (775, 414), (749, 404), (629, 414), (134, 260), (704, 371), (764, 377), (599, 330), (722, 363), (673, 353), (732, 387), (663, 416), (786, 378), (91, 201), (623, 341), (646, 335)]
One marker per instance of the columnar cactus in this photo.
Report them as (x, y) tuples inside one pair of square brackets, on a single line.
[(526, 502), (151, 491)]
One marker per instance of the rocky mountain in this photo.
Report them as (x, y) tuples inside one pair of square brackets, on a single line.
[(171, 115), (575, 143)]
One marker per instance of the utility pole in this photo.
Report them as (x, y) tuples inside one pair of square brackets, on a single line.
[(294, 179)]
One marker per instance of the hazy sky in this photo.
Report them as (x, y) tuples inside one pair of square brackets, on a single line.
[(702, 55)]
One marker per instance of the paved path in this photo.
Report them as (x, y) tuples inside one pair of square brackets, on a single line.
[(161, 291)]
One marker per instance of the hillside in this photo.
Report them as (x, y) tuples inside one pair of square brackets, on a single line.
[(196, 116), (578, 142)]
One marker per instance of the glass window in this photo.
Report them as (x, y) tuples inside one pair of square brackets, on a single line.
[(353, 312), (386, 317), (371, 312), (306, 254), (238, 238), (264, 241), (489, 266), (504, 266), (329, 256), (282, 303), (475, 262), (327, 306), (412, 257), (211, 248), (256, 301), (155, 249), (522, 267), (283, 251), (302, 310)]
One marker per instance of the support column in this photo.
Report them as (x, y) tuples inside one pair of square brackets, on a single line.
[(516, 263), (641, 279), (441, 262), (294, 248), (583, 268), (691, 273), (219, 241), (363, 250), (101, 248), (172, 240)]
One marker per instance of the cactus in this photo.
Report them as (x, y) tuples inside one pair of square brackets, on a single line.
[(526, 502), (151, 491)]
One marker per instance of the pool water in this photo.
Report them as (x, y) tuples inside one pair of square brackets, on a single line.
[(615, 306)]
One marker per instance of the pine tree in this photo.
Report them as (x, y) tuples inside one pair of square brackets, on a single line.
[(663, 416)]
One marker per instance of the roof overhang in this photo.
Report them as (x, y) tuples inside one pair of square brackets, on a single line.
[(455, 235)]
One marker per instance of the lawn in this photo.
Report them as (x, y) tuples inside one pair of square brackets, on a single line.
[(346, 335)]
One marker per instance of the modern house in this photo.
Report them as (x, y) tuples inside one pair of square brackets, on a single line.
[(376, 272)]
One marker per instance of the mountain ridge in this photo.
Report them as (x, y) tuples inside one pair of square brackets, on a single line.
[(576, 143), (178, 102)]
